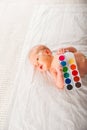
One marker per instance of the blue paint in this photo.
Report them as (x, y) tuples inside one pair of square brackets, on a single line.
[(68, 81), (63, 63)]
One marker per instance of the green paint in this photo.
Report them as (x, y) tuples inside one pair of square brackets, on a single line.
[(65, 69)]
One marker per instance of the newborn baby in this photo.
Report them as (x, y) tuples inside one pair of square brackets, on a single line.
[(43, 60)]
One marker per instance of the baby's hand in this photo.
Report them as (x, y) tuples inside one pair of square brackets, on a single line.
[(62, 51)]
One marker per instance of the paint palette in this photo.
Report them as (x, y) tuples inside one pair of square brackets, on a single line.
[(70, 71)]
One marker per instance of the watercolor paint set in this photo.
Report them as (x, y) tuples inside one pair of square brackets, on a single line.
[(71, 74)]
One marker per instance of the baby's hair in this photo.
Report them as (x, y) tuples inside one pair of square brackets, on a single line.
[(38, 49)]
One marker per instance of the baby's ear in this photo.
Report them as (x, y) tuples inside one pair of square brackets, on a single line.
[(48, 52)]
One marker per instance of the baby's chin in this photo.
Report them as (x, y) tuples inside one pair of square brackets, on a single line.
[(42, 70)]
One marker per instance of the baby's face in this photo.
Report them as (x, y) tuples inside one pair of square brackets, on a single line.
[(41, 61)]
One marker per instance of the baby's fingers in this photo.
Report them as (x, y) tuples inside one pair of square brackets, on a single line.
[(61, 51)]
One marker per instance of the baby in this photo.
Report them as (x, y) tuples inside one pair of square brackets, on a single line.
[(43, 60)]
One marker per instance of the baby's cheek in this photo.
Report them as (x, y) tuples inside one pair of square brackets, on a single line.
[(43, 62)]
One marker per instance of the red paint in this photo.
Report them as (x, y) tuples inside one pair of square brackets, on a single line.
[(74, 72), (76, 78)]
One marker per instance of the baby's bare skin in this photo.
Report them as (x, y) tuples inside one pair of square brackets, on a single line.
[(43, 60)]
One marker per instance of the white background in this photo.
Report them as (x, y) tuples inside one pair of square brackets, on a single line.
[(14, 21)]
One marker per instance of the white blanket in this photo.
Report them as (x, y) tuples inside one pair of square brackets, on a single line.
[(36, 104)]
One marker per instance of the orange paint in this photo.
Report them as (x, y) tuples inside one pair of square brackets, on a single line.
[(73, 67)]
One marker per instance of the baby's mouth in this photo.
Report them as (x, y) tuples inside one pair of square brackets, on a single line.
[(41, 66)]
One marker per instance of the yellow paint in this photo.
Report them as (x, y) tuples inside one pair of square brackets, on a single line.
[(71, 61)]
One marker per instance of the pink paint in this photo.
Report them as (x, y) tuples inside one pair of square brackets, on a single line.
[(61, 58)]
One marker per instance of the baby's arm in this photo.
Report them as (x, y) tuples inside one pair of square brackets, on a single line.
[(58, 77), (86, 66), (81, 63), (63, 50)]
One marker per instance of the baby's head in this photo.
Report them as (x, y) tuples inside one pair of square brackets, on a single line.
[(41, 57)]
